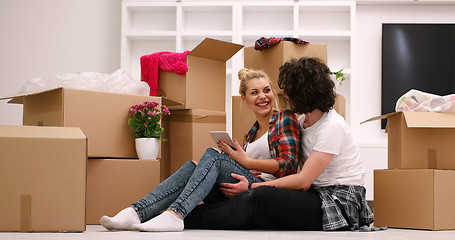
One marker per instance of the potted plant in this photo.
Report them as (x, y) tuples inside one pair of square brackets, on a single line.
[(144, 119), (339, 78), (340, 102)]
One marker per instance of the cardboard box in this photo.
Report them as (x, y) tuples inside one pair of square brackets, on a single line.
[(418, 199), (271, 59), (190, 135), (206, 74), (420, 140), (102, 116), (243, 118), (42, 179), (340, 105), (114, 184)]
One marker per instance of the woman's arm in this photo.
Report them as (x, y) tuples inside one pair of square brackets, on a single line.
[(287, 137), (286, 148)]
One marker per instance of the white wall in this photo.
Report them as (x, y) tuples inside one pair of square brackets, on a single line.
[(41, 38), (366, 79)]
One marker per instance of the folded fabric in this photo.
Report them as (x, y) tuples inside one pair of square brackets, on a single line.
[(418, 101), (167, 61), (263, 43)]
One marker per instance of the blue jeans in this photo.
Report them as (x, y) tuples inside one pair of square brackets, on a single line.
[(191, 184)]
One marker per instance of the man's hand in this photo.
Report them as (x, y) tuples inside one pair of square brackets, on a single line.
[(234, 189)]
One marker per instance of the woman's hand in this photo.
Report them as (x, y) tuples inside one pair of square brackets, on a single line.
[(256, 173), (238, 154), (233, 189)]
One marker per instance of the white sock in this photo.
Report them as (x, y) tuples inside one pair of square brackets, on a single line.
[(124, 220), (165, 222)]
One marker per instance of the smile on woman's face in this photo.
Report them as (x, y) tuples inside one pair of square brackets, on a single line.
[(259, 96)]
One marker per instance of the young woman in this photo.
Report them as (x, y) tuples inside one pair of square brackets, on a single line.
[(271, 147), (328, 192)]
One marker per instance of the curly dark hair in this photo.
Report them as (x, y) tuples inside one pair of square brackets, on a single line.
[(307, 84)]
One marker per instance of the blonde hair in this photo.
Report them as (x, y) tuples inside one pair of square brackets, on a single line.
[(246, 74)]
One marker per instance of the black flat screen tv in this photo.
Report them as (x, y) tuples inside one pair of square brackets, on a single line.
[(416, 56)]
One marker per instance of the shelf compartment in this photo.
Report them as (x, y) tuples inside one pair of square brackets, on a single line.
[(207, 18), (325, 35), (323, 18), (151, 35), (268, 18), (338, 52), (211, 34), (151, 18)]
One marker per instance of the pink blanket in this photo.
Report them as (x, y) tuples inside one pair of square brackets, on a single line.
[(167, 61)]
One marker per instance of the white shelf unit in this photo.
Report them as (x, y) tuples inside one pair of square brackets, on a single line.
[(153, 26)]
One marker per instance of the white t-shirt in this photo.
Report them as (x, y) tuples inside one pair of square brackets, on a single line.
[(259, 149), (331, 134)]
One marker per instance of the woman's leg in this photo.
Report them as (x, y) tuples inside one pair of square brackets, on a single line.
[(165, 193), (213, 167), (153, 203), (261, 208)]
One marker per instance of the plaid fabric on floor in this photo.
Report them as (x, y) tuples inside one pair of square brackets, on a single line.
[(344, 207)]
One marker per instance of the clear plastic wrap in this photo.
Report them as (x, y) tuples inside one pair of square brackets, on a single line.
[(418, 101), (118, 82)]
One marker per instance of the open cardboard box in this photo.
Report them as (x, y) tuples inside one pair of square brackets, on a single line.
[(114, 184), (204, 85), (420, 140), (42, 179), (417, 198), (102, 116), (271, 59)]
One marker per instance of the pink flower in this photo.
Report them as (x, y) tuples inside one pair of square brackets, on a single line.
[(166, 110), (145, 124)]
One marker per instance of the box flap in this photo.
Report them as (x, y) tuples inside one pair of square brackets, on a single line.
[(18, 97), (380, 117), (429, 120), (422, 119), (198, 115), (215, 49), (169, 102), (41, 132)]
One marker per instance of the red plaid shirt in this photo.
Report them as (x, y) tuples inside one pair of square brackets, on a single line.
[(284, 141)]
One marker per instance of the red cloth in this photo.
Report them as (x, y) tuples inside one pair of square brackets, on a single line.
[(167, 61)]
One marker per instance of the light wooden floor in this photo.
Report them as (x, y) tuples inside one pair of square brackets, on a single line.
[(99, 233)]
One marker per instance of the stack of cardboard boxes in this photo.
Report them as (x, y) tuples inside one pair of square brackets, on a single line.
[(418, 188), (202, 92), (63, 177)]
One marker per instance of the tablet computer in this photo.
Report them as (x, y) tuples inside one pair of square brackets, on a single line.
[(223, 136)]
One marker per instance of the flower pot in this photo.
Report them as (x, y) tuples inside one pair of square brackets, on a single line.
[(147, 148)]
